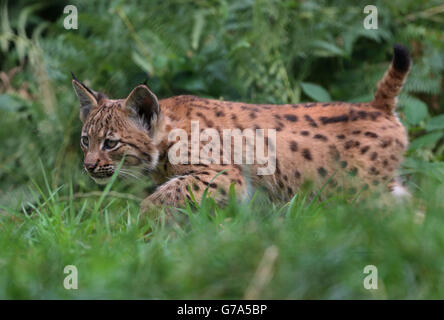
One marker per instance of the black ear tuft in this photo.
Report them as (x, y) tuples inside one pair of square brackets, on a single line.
[(83, 85), (401, 59), (86, 97)]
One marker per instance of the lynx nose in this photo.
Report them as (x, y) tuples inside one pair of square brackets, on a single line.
[(90, 166)]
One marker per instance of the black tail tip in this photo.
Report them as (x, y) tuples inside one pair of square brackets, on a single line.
[(401, 58), (73, 76)]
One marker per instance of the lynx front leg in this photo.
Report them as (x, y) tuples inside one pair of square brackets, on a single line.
[(175, 191)]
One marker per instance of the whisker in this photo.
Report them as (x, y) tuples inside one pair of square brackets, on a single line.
[(126, 173)]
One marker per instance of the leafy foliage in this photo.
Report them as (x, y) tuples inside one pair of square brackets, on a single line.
[(247, 50)]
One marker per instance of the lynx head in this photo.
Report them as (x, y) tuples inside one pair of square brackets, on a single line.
[(116, 129)]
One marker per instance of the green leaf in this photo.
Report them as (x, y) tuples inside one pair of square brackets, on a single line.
[(434, 170), (5, 28), (328, 49), (192, 84), (10, 103), (199, 22), (429, 140), (142, 62), (435, 123), (415, 110), (363, 98), (315, 92)]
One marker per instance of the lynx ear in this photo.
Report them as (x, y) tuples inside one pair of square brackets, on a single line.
[(86, 97), (144, 104)]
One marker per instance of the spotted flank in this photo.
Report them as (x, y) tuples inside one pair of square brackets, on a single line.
[(346, 147)]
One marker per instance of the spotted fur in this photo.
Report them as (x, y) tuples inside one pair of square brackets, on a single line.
[(345, 146)]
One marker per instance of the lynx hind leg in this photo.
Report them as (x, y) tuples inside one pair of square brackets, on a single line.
[(175, 191)]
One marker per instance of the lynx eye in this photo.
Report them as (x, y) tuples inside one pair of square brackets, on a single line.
[(110, 144), (85, 141)]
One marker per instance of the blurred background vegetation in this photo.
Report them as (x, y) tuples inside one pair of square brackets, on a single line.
[(263, 51), (256, 51)]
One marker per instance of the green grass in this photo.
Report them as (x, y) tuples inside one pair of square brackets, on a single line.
[(305, 249)]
